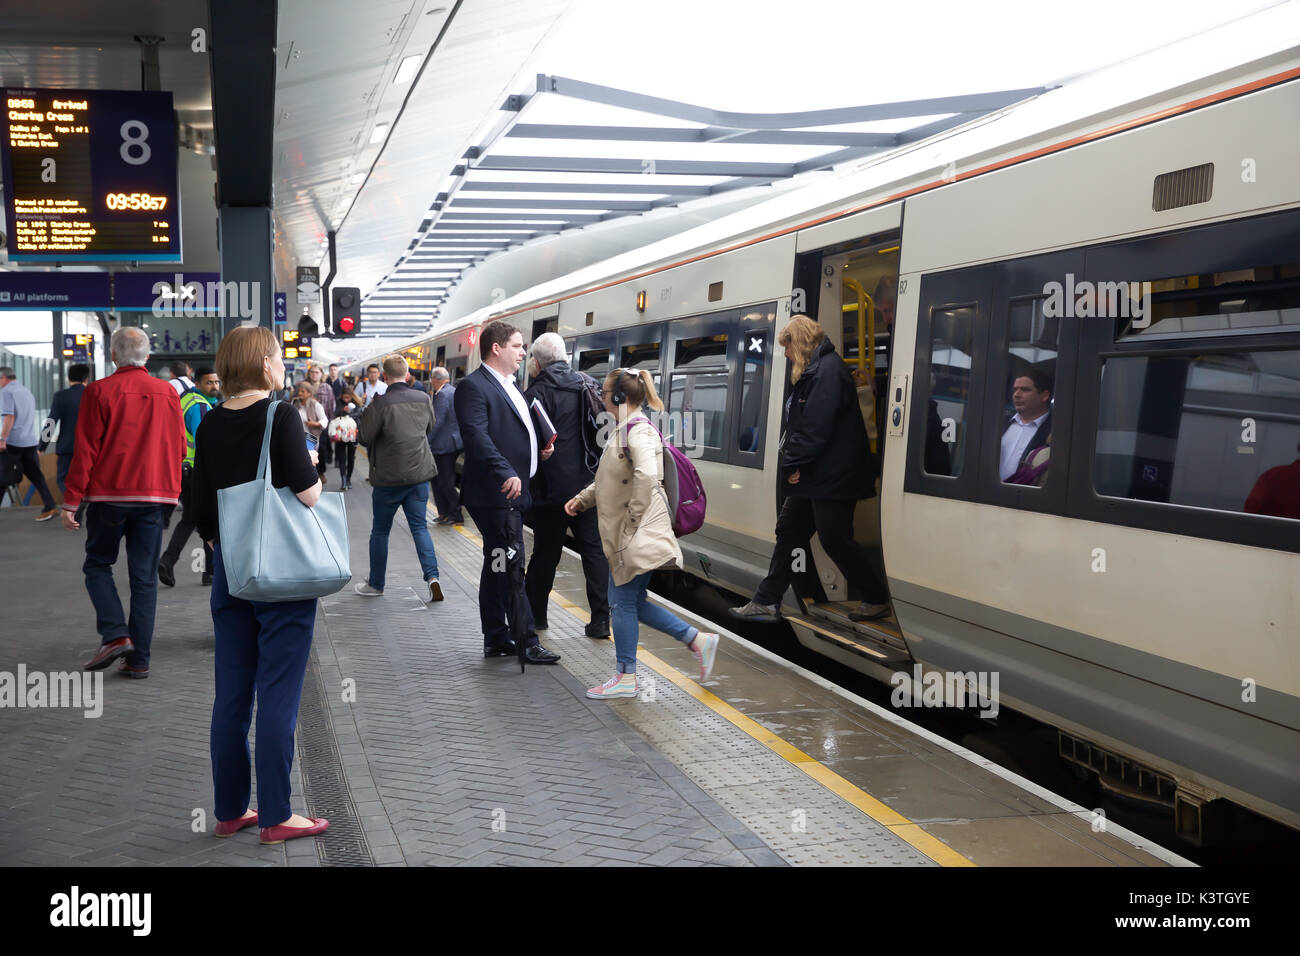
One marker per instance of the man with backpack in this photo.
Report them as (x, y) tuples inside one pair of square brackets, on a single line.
[(564, 396)]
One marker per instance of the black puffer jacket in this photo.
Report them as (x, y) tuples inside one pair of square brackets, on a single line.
[(824, 436), (559, 388)]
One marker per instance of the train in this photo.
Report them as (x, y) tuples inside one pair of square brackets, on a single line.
[(1143, 254)]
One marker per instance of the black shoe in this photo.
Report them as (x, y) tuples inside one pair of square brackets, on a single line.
[(500, 650), (166, 575), (540, 655), (598, 629), (206, 580)]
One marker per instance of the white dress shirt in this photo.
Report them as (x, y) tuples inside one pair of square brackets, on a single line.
[(1014, 442), (516, 396), (368, 393)]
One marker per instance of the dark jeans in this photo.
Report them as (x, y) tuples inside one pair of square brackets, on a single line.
[(502, 604), (31, 462), (185, 527), (345, 453), (61, 474), (261, 650), (833, 521), (549, 523), (445, 494), (414, 501), (106, 525)]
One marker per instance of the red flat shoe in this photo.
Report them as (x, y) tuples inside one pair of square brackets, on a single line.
[(279, 833), (225, 828)]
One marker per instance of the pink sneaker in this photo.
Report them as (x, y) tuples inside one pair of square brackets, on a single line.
[(705, 649), (620, 685)]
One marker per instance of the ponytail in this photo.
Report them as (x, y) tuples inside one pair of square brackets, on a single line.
[(638, 386)]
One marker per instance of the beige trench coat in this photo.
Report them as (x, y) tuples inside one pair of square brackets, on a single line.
[(636, 530)]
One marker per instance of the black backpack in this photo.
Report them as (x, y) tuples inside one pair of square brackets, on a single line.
[(592, 405)]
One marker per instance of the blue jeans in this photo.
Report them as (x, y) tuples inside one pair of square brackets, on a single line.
[(261, 648), (106, 525), (627, 606), (414, 500)]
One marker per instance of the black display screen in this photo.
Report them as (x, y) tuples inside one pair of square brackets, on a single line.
[(90, 175)]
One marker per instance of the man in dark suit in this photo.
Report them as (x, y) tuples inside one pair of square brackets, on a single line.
[(63, 409), (446, 444), (559, 390), (1030, 427), (501, 456)]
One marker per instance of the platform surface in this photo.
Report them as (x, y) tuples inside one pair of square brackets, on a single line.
[(421, 752)]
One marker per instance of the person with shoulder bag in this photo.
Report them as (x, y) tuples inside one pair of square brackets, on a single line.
[(261, 647), (636, 530)]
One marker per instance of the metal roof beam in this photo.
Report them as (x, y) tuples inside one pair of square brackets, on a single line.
[(708, 134), (627, 205), (532, 219), (594, 93), (606, 164), (693, 189), (471, 230)]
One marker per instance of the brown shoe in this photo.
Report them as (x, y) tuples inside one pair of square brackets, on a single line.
[(47, 515), (109, 653)]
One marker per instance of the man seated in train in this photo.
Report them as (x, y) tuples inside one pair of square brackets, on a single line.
[(1028, 429)]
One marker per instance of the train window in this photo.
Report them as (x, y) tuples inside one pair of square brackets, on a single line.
[(697, 405), (644, 356), (701, 351), (951, 342), (1217, 431), (595, 362), (749, 427), (1238, 302), (1026, 442)]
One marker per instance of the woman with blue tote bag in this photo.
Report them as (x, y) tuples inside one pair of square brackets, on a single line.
[(262, 647)]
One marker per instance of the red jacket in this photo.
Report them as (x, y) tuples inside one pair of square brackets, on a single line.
[(130, 442)]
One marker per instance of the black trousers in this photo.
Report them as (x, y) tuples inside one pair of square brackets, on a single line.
[(30, 459), (445, 494), (549, 523), (345, 453), (833, 522), (502, 604), (184, 528)]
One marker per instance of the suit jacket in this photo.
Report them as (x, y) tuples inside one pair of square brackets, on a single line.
[(445, 438), (64, 408), (496, 442)]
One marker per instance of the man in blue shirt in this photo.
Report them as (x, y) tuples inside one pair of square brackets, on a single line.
[(18, 435), (63, 409), (194, 405)]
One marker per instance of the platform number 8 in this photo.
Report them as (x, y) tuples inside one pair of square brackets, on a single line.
[(134, 133)]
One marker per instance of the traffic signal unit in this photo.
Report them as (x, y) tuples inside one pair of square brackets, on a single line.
[(345, 306)]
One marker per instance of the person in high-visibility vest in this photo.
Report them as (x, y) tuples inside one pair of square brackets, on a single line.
[(195, 403)]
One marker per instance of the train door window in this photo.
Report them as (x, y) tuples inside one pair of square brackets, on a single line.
[(542, 326), (699, 380), (595, 362), (1025, 443), (1250, 301), (701, 400), (644, 355), (951, 349), (754, 364), (1214, 430)]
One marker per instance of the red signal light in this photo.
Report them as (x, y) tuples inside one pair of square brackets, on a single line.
[(347, 324)]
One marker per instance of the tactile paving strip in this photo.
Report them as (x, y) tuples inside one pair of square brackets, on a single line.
[(802, 821)]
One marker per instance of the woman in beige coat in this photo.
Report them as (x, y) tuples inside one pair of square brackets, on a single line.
[(636, 530)]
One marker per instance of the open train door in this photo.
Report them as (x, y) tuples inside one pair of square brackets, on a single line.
[(856, 294)]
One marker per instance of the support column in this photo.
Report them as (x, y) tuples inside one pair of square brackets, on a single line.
[(241, 44), (57, 318)]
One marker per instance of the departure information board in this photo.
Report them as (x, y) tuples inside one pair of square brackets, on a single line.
[(90, 175)]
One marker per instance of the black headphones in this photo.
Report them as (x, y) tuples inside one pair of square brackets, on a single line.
[(618, 396)]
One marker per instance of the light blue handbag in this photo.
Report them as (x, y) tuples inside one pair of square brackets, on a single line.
[(274, 547)]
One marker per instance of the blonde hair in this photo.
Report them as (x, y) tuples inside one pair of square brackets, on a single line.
[(395, 366), (803, 335), (638, 386), (240, 358)]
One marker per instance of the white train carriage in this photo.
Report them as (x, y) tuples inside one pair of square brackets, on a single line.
[(1146, 257)]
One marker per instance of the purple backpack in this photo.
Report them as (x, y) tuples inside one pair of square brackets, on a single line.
[(686, 500)]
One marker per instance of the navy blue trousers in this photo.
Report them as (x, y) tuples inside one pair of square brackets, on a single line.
[(141, 525), (261, 649)]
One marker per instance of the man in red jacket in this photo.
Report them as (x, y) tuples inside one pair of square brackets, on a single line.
[(129, 439)]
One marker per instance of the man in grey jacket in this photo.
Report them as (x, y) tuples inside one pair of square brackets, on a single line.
[(395, 431)]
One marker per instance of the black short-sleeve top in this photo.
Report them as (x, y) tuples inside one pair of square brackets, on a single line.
[(226, 448)]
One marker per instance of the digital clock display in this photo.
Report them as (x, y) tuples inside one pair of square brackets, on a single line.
[(90, 175)]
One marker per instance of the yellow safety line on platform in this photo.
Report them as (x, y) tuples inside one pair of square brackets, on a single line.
[(897, 824)]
